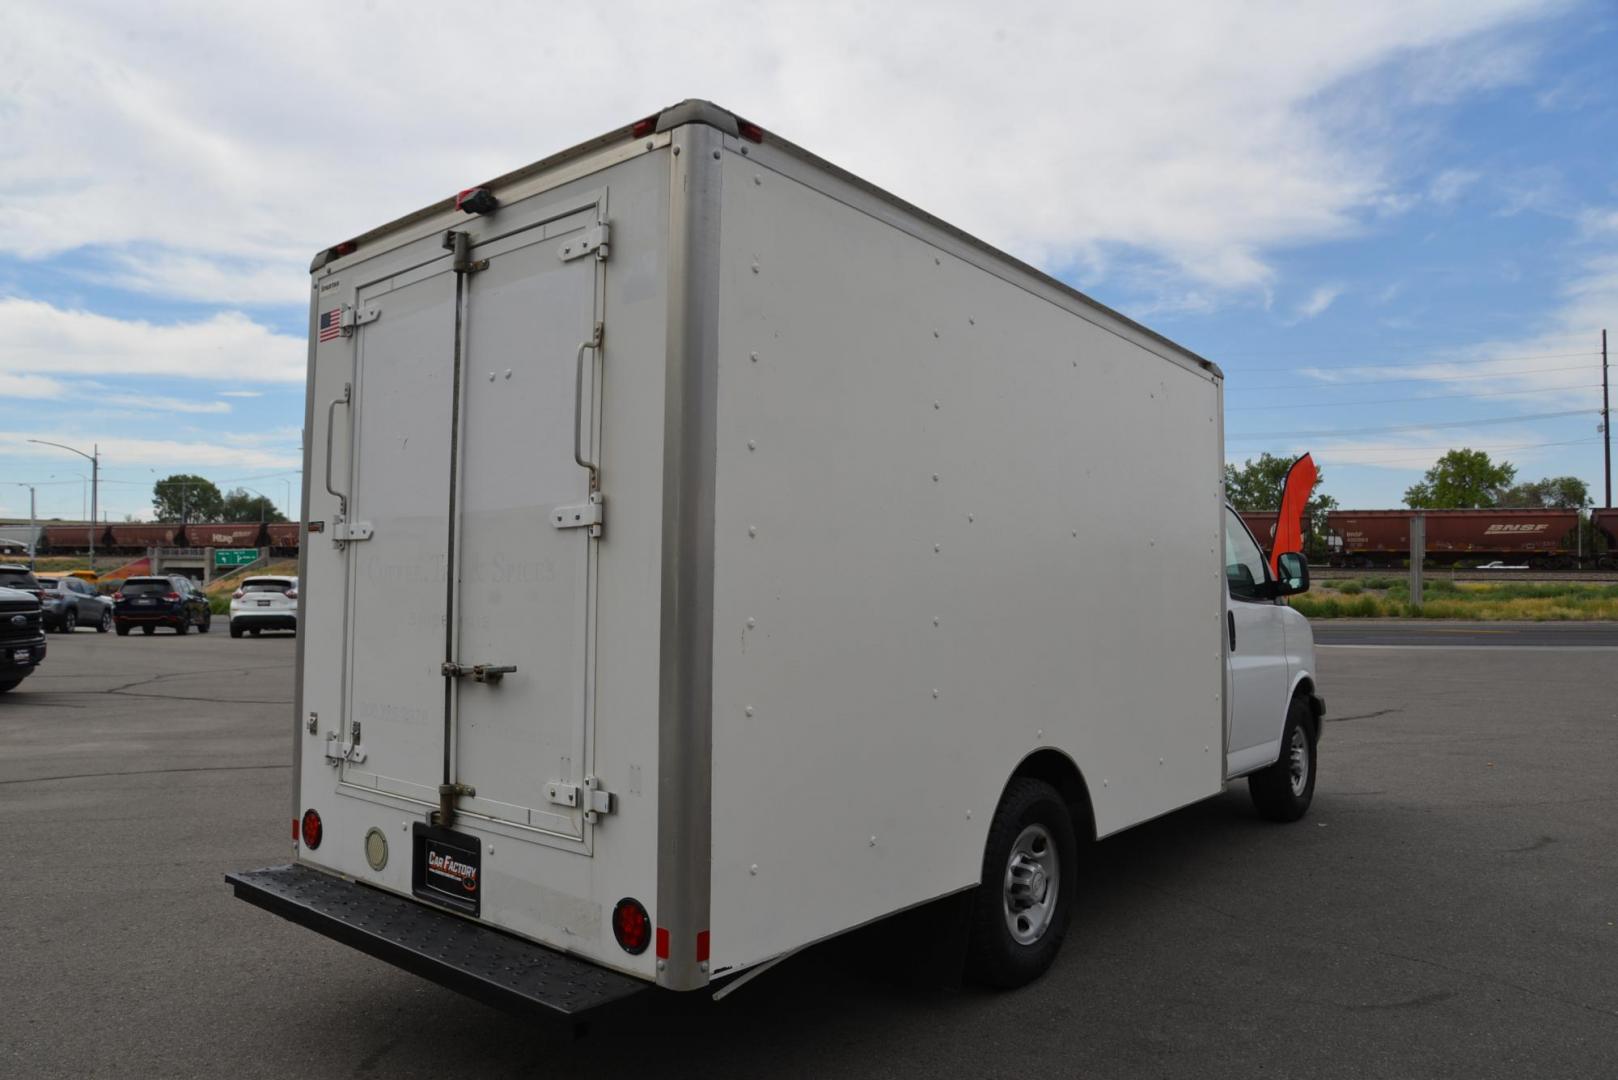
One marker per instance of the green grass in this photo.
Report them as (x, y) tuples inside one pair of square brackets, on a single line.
[(1390, 598)]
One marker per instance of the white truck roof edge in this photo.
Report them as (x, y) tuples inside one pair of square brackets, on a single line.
[(685, 723), (697, 111)]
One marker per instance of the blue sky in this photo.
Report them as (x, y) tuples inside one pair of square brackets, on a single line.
[(1394, 225)]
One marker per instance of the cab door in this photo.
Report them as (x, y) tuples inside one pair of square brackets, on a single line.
[(1255, 640)]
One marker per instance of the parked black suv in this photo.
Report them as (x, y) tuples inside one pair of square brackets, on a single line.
[(150, 602), (22, 636)]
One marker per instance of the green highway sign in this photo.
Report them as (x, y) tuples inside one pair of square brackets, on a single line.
[(234, 556)]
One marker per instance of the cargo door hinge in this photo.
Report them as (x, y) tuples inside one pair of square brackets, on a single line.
[(594, 239), (590, 515), (591, 796), (341, 750)]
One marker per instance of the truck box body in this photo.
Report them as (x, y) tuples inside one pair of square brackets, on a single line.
[(802, 517)]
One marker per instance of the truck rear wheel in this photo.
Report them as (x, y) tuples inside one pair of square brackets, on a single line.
[(1284, 791), (1021, 909), (8, 684)]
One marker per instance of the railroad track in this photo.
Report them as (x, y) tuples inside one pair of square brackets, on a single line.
[(1592, 577)]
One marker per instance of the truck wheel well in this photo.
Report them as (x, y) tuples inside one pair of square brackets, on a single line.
[(1057, 769), (1306, 690)]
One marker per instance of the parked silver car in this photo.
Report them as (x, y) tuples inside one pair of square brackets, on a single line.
[(71, 602)]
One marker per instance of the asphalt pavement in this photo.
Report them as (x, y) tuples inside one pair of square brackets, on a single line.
[(1408, 632), (1447, 909)]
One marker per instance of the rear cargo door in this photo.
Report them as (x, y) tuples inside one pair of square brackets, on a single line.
[(471, 602), (525, 547)]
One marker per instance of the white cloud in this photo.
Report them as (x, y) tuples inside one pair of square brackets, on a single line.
[(37, 338), (29, 386), (217, 150), (1450, 184), (154, 452), (241, 393), (1318, 301)]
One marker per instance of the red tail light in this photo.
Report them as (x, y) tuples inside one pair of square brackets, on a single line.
[(312, 830), (292, 594), (117, 596), (631, 926), (237, 595), (171, 596)]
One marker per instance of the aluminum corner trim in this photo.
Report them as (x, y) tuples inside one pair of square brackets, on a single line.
[(685, 712), (697, 111)]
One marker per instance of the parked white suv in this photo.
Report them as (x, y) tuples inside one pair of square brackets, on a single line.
[(264, 603)]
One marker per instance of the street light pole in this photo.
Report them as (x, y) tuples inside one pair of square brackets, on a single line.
[(94, 458)]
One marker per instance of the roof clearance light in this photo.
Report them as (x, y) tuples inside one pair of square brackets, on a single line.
[(347, 247), (749, 130), (312, 829), (631, 926), (476, 200), (642, 128)]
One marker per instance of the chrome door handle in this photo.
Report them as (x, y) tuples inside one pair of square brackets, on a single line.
[(331, 411), (593, 342)]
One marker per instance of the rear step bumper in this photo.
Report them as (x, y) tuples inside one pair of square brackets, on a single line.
[(479, 961)]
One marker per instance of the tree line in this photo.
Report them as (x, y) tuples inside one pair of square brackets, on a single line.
[(185, 497)]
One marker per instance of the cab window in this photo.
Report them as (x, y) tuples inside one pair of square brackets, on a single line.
[(1244, 562)]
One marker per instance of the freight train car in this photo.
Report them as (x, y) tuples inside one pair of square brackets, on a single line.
[(229, 534), (1543, 539), (72, 539), (1606, 522), (129, 537), (282, 537), (1261, 523)]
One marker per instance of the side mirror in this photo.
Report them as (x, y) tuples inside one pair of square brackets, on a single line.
[(1293, 574)]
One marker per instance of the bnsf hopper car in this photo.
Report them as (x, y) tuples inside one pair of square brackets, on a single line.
[(1544, 539), (1261, 523)]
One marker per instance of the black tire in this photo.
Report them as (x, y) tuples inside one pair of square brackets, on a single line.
[(184, 625), (1284, 791), (106, 622), (9, 684), (70, 621), (254, 631), (148, 629), (235, 631), (206, 624), (123, 631), (1031, 814)]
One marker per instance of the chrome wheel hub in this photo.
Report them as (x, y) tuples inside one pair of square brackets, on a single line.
[(1298, 761), (1032, 883)]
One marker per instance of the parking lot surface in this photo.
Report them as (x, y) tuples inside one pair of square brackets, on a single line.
[(1447, 909)]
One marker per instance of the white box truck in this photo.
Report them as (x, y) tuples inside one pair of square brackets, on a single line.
[(708, 553)]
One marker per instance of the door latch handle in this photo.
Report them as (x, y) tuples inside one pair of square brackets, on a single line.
[(1230, 623), (486, 673)]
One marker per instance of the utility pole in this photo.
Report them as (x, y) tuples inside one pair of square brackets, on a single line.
[(94, 457), (33, 527), (1606, 419)]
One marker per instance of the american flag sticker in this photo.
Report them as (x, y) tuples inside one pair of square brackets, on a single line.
[(331, 324)]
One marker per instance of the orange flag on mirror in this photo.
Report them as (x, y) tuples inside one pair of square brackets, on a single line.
[(1300, 484)]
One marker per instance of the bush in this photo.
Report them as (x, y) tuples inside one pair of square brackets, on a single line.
[(1350, 588), (219, 603)]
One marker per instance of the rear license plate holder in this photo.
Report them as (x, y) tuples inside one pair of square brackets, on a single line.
[(447, 868), (22, 656)]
